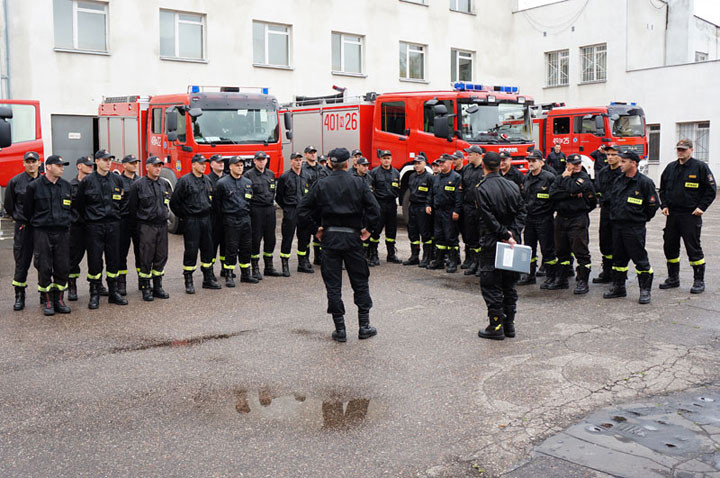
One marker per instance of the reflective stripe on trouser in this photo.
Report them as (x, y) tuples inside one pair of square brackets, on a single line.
[(497, 286), (388, 220), (78, 246), (262, 220), (197, 236), (289, 229), (683, 226), (446, 231), (103, 240), (629, 244), (152, 249), (471, 227), (51, 257), (237, 240), (540, 229), (418, 224), (22, 251), (124, 242), (572, 239)]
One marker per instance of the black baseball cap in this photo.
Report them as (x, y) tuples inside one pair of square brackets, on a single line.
[(295, 155), (505, 154), (363, 160), (474, 149), (322, 159), (236, 159), (574, 159), (55, 159), (31, 155), (444, 157), (198, 158), (339, 155), (103, 154), (419, 158), (84, 160), (384, 152), (260, 155), (130, 158), (612, 146), (491, 159), (217, 157), (310, 149), (535, 154), (355, 152), (631, 155), (684, 144), (154, 160)]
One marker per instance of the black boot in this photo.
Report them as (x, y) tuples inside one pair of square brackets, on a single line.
[(317, 260), (256, 269), (509, 321), (147, 292), (527, 279), (495, 330), (304, 265), (373, 255), (453, 259), (426, 252), (114, 296), (438, 261), (698, 286), (230, 276), (605, 277), (581, 284), (285, 262), (414, 258), (72, 289), (48, 303), (122, 284), (270, 270), (468, 258), (474, 264), (223, 271), (618, 285), (391, 253), (542, 271), (189, 285), (673, 279), (59, 302), (549, 274), (158, 290), (209, 279), (245, 276), (19, 298), (365, 331), (339, 335), (561, 278), (94, 301), (101, 289), (645, 281)]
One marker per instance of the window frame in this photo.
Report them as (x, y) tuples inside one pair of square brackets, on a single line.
[(266, 51), (561, 57), (75, 9), (360, 43), (653, 134), (176, 27), (384, 106), (566, 120), (455, 53), (454, 7), (422, 52), (701, 150), (595, 53), (701, 56)]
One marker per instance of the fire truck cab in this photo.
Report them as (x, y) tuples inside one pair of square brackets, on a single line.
[(23, 117)]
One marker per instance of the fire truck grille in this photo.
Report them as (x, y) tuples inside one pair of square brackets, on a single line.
[(639, 149)]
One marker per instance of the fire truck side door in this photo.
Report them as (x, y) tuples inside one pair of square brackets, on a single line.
[(390, 132), (585, 133), (155, 131), (172, 148), (560, 133)]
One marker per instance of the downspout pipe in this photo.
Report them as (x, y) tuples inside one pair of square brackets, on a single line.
[(6, 21)]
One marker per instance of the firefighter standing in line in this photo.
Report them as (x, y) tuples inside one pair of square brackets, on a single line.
[(459, 166), (501, 213), (604, 180), (192, 202), (23, 238), (343, 210), (574, 197), (148, 205), (472, 174), (128, 176), (217, 167), (78, 232), (231, 203), (361, 170), (98, 200), (419, 184), (600, 158), (356, 154), (291, 187), (47, 206), (556, 158), (539, 223), (445, 202), (314, 172), (386, 184), (633, 202), (687, 188), (262, 215), (508, 171)]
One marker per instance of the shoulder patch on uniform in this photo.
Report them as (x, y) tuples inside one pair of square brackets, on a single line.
[(710, 178), (580, 180), (637, 193), (652, 198), (544, 188)]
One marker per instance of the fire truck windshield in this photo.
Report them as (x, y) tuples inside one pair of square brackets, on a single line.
[(627, 126), (500, 123), (241, 126)]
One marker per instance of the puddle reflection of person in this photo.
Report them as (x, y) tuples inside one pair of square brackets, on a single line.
[(333, 416)]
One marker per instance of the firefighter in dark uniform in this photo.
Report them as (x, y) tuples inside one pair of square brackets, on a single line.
[(445, 202), (23, 238), (291, 187), (148, 205), (192, 202), (342, 210), (314, 171), (386, 187), (633, 202), (262, 215), (539, 223), (472, 173), (47, 206), (459, 166), (217, 168), (573, 195), (419, 185), (502, 215), (604, 180), (687, 188), (356, 154), (78, 231), (361, 170), (556, 158), (599, 158), (98, 200), (231, 203), (508, 171), (129, 176)]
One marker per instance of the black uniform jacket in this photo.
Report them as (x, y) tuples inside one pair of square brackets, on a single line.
[(445, 193), (192, 196), (633, 199), (232, 196), (536, 193), (127, 184), (367, 179), (419, 186), (386, 183), (573, 195), (315, 173), (14, 194), (99, 197), (500, 208), (77, 217), (471, 177), (291, 187), (685, 187), (514, 175), (556, 160), (604, 180), (263, 185), (47, 205), (149, 200)]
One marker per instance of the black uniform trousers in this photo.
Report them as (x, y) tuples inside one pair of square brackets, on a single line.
[(126, 237), (52, 258), (238, 235), (388, 220), (497, 286), (152, 249), (262, 220), (419, 224), (606, 233), (471, 227), (629, 244), (197, 235), (22, 252), (218, 237), (357, 270), (541, 229), (103, 238), (572, 238), (687, 227), (78, 246), (289, 228), (446, 230)]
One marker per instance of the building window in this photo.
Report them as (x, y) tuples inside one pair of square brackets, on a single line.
[(654, 143), (412, 61), (461, 65), (465, 6), (182, 35), (557, 64), (594, 63), (80, 25), (700, 56), (699, 133), (271, 44), (393, 117), (347, 53)]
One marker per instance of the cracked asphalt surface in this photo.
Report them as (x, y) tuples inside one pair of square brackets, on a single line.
[(247, 382)]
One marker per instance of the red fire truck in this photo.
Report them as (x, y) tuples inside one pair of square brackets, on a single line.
[(434, 122), (24, 118), (583, 130), (229, 121)]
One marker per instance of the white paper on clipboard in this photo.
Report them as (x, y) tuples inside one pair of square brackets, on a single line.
[(516, 259)]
